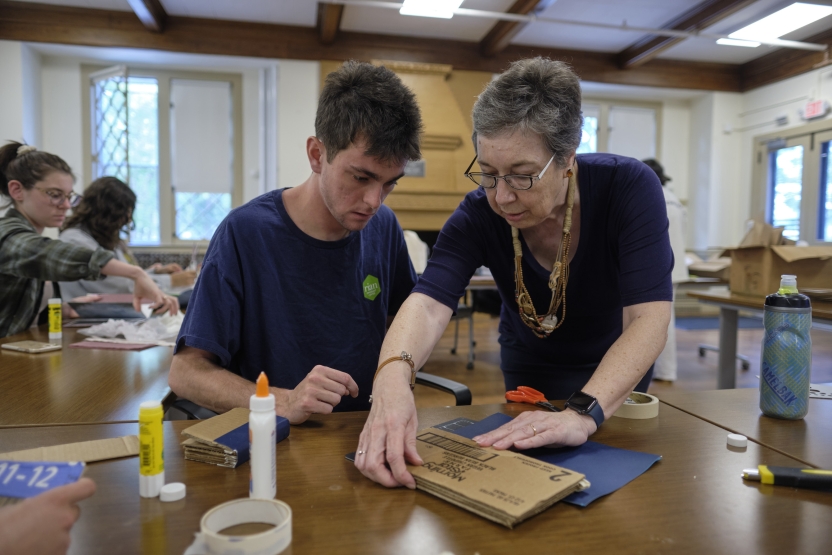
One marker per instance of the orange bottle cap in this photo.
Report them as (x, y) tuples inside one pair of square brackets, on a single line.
[(262, 385)]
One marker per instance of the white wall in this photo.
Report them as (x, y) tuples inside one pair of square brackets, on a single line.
[(675, 145), (11, 92), (701, 131), (31, 89), (298, 88), (251, 134), (61, 113)]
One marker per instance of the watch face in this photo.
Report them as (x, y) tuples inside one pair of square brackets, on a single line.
[(581, 402)]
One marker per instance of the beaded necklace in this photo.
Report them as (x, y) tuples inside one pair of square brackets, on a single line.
[(543, 326)]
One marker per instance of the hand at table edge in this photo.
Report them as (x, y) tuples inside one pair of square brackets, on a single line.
[(388, 441)]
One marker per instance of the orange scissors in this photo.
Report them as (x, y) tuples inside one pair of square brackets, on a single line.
[(524, 394)]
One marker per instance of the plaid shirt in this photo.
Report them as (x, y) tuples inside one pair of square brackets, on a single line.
[(27, 260)]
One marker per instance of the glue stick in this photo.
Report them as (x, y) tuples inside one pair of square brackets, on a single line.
[(151, 449), (54, 307), (262, 443)]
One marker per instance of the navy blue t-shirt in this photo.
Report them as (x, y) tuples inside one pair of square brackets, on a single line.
[(271, 298), (623, 258)]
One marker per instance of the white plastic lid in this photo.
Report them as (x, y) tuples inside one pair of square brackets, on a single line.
[(150, 486), (736, 440), (172, 492), (261, 403), (787, 280), (54, 301), (150, 404)]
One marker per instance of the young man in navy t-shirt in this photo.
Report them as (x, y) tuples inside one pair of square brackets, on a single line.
[(299, 282)]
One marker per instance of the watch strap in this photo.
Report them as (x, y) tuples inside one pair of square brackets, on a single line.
[(596, 412)]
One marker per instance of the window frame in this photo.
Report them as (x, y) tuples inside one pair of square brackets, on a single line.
[(811, 136), (167, 205)]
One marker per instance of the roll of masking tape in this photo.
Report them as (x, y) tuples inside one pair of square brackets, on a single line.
[(209, 540), (639, 406)]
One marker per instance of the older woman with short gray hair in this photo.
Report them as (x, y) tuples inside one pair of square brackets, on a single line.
[(579, 250)]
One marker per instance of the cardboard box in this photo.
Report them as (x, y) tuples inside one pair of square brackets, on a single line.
[(719, 268), (757, 270)]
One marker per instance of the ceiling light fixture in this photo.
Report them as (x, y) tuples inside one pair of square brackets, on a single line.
[(779, 23), (737, 42), (534, 18), (430, 8)]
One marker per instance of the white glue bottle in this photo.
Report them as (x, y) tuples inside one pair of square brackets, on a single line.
[(262, 423)]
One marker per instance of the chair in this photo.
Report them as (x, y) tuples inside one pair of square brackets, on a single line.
[(746, 363), (461, 393), (465, 312)]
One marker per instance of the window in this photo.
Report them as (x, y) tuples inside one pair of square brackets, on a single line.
[(825, 215), (175, 139), (792, 182), (786, 187), (143, 146), (589, 133)]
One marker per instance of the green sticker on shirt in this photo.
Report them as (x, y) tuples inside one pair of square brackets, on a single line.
[(371, 287)]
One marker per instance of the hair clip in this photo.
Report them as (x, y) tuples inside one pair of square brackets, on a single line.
[(23, 149)]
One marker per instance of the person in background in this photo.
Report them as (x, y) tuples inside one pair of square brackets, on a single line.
[(579, 252), (41, 525), (39, 186), (666, 366), (299, 283), (104, 214)]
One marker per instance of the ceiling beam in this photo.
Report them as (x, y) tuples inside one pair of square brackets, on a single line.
[(25, 21), (701, 16), (329, 21), (151, 13), (782, 64), (499, 36)]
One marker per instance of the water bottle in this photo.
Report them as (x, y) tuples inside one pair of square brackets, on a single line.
[(787, 352)]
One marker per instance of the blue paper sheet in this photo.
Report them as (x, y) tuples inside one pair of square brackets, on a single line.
[(607, 468), (23, 479)]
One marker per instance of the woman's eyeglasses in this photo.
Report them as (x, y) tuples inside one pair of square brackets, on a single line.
[(57, 197), (519, 182)]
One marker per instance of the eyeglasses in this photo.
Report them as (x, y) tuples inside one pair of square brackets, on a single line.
[(56, 197), (519, 182)]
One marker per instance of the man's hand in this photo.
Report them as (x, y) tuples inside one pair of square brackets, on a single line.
[(388, 440), (320, 391), (539, 428), (146, 288), (40, 525)]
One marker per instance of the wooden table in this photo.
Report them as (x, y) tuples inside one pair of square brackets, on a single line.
[(729, 306), (692, 501), (738, 410), (73, 386)]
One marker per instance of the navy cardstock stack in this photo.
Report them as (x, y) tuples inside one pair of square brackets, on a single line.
[(223, 440)]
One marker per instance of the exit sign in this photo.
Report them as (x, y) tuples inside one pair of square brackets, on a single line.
[(815, 109)]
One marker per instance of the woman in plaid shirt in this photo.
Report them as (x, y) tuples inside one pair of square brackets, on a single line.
[(39, 186)]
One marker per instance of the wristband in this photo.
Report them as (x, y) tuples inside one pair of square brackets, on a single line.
[(405, 356)]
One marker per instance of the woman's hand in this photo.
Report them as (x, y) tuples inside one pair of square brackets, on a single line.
[(146, 288), (537, 428), (388, 440)]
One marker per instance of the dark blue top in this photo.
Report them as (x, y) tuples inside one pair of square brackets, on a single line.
[(623, 258), (271, 298)]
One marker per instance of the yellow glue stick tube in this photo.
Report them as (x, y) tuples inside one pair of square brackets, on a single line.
[(151, 449), (55, 323)]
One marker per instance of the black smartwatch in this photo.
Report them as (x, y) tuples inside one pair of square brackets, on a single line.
[(584, 403)]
